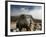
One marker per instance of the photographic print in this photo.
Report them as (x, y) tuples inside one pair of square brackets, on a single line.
[(25, 18)]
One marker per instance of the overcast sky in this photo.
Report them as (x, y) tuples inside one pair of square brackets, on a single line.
[(35, 11)]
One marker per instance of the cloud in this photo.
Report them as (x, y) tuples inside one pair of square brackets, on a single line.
[(36, 12), (19, 11)]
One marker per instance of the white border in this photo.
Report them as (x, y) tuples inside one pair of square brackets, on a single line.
[(29, 4)]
